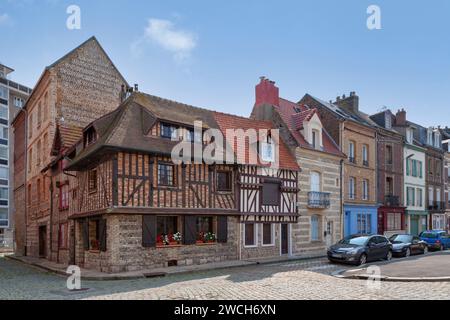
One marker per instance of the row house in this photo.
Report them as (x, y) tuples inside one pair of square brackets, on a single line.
[(138, 207), (414, 164), (355, 134), (78, 88), (445, 132), (321, 161), (391, 211)]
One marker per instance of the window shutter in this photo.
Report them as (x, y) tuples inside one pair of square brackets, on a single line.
[(102, 233), (407, 167), (222, 229), (148, 231), (190, 229), (85, 231)]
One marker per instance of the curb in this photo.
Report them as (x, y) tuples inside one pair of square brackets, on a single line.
[(292, 259)]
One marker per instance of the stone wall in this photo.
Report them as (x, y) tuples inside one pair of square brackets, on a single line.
[(260, 250), (126, 253)]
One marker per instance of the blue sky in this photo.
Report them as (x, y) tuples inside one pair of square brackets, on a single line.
[(211, 53)]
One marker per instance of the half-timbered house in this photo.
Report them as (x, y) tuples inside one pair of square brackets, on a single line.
[(268, 186)]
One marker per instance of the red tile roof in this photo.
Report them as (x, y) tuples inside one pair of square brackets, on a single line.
[(289, 112), (227, 121)]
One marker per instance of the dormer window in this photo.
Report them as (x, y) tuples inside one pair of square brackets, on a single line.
[(409, 135), (316, 139), (388, 122), (437, 139), (267, 151), (193, 136), (168, 131), (430, 137), (90, 136)]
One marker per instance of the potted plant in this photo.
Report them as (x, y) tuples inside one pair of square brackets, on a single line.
[(209, 237), (177, 237)]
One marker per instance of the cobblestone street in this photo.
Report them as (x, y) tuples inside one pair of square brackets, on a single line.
[(290, 280)]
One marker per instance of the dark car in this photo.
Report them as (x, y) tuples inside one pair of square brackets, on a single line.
[(358, 249), (404, 245)]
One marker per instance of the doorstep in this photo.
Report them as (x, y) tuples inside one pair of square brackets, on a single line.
[(86, 274)]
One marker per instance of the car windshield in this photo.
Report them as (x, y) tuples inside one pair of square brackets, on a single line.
[(430, 235), (400, 238), (355, 240)]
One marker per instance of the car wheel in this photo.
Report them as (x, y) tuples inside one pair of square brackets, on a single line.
[(389, 256), (425, 250), (407, 252), (362, 259)]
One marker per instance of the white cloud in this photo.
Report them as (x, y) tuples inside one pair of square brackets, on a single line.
[(165, 34), (4, 19)]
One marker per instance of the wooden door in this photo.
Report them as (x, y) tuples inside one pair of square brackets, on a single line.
[(284, 238), (43, 241)]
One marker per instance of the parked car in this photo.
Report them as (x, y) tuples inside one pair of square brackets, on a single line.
[(405, 245), (436, 239), (359, 249)]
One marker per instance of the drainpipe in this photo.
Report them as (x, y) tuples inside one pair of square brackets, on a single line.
[(25, 251)]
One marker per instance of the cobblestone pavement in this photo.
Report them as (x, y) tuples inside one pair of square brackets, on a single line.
[(289, 280)]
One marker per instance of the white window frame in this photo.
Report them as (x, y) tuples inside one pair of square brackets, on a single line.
[(365, 153), (265, 155), (272, 232), (7, 219), (318, 228), (409, 135), (351, 149), (365, 189), (255, 235), (351, 188)]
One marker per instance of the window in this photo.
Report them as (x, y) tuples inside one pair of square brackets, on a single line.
[(94, 234), (44, 151), (365, 155), (419, 202), (363, 222), (224, 181), (3, 112), (29, 195), (438, 195), (4, 173), (92, 180), (430, 136), (351, 188), (315, 182), (39, 115), (165, 174), (365, 189), (438, 168), (3, 92), (30, 159), (64, 197), (315, 228), (430, 196), (389, 186), (46, 106), (38, 189), (268, 151), (205, 229), (90, 136), (410, 196), (430, 166), (271, 193), (388, 122), (194, 136), (315, 139), (38, 155), (4, 193), (437, 139), (394, 221), (268, 234), (168, 131), (166, 228), (3, 152), (4, 220), (18, 102), (388, 154), (409, 136), (351, 151), (30, 125), (250, 234), (63, 235)]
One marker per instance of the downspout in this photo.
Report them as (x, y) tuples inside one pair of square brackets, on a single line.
[(25, 182), (341, 169)]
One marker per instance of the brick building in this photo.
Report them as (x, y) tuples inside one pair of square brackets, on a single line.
[(355, 134), (391, 211), (319, 198), (73, 91), (445, 132)]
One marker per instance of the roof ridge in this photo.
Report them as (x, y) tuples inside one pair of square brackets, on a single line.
[(241, 117)]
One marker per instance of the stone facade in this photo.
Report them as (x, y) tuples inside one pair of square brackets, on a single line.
[(330, 225), (125, 251)]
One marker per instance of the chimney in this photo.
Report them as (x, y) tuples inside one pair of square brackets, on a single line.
[(400, 118), (350, 103), (136, 87), (267, 93)]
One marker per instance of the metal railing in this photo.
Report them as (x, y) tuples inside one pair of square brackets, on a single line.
[(320, 200), (391, 200), (436, 205)]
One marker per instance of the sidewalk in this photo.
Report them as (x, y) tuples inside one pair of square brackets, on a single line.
[(156, 272)]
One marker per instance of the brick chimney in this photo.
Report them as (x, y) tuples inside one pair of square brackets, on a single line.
[(400, 118), (350, 103), (267, 93)]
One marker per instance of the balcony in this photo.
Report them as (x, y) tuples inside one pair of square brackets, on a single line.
[(365, 163), (392, 201), (318, 200), (352, 160), (436, 205)]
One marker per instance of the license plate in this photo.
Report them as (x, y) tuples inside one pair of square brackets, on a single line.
[(337, 255)]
